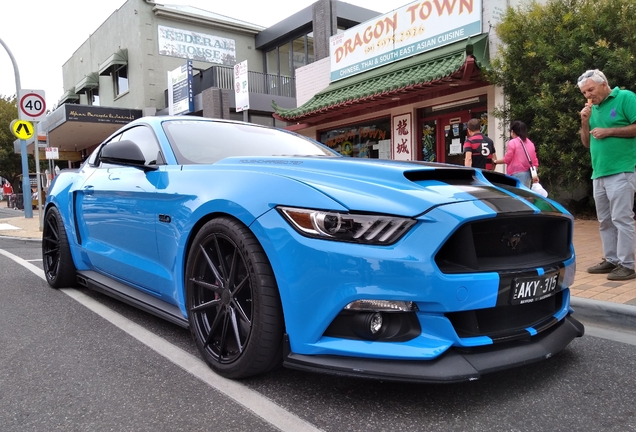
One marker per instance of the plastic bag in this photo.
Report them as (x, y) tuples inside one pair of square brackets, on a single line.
[(533, 173), (536, 187)]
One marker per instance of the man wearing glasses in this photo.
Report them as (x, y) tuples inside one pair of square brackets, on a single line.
[(608, 129)]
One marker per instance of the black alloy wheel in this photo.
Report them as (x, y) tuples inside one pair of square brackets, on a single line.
[(233, 302), (57, 261)]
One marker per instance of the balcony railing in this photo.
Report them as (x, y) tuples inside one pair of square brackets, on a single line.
[(258, 82)]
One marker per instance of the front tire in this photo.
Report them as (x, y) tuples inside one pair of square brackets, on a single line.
[(57, 261), (234, 308)]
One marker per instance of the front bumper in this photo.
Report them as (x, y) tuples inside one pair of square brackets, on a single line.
[(455, 365)]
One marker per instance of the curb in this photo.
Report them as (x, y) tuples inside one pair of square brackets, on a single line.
[(20, 238), (604, 313)]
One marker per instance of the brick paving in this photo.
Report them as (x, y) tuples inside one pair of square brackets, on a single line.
[(587, 245)]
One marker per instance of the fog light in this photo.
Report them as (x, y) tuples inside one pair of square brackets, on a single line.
[(375, 324), (369, 325)]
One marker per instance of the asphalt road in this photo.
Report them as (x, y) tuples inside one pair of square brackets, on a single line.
[(74, 360)]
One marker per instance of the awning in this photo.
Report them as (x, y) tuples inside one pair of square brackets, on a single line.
[(453, 66), (68, 96), (89, 82), (117, 59)]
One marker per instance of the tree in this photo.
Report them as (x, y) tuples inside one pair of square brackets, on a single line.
[(545, 48), (10, 162)]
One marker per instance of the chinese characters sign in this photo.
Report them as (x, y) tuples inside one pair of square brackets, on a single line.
[(402, 137)]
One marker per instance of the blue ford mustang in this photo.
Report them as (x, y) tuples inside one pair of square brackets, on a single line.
[(275, 250)]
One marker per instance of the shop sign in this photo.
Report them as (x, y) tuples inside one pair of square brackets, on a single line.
[(52, 152), (401, 136), (196, 46), (241, 86), (73, 156), (410, 30), (180, 92), (99, 114)]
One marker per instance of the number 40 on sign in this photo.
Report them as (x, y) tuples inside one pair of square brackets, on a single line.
[(31, 105)]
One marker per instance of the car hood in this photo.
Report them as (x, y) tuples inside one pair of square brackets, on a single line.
[(394, 187)]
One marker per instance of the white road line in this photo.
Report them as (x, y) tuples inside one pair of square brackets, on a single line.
[(253, 401)]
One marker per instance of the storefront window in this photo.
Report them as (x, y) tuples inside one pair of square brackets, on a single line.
[(298, 53), (310, 47), (272, 62), (365, 140), (283, 55)]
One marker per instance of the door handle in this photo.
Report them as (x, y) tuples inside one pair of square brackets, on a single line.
[(88, 190)]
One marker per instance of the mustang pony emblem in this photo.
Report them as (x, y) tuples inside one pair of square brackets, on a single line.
[(512, 239)]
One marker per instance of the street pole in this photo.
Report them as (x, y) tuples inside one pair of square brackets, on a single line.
[(26, 188), (38, 182)]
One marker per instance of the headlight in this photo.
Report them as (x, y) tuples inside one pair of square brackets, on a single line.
[(349, 227)]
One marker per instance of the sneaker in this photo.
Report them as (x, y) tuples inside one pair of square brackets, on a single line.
[(621, 273), (603, 267)]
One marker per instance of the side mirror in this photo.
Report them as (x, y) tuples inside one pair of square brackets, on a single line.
[(125, 153)]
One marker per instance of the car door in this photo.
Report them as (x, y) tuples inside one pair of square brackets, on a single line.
[(117, 215)]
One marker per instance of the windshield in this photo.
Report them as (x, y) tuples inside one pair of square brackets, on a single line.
[(206, 142)]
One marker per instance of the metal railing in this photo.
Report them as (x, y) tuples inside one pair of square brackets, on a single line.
[(258, 82)]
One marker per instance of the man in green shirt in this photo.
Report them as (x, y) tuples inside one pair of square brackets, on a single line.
[(608, 129)]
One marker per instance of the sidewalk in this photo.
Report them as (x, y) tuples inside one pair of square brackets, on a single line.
[(587, 245)]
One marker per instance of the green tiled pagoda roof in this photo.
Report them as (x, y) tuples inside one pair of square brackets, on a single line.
[(396, 77)]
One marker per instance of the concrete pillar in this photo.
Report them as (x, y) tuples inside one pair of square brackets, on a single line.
[(325, 25), (216, 103)]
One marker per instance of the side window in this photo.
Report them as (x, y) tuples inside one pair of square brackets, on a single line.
[(144, 137)]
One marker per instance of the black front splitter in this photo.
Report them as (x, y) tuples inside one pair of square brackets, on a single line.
[(453, 366)]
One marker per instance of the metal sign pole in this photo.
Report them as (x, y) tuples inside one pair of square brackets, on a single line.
[(38, 181), (28, 212), (26, 187)]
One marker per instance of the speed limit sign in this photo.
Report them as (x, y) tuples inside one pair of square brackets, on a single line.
[(31, 105)]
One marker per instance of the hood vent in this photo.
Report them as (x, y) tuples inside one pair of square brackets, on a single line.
[(459, 176)]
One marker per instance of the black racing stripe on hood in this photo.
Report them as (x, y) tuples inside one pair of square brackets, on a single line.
[(538, 201), (508, 205), (497, 198), (499, 194)]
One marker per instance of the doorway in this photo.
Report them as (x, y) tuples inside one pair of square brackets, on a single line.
[(443, 135)]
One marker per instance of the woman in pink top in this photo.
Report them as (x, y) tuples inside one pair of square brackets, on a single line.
[(516, 158)]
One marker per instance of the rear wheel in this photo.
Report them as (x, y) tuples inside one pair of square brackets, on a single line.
[(57, 261), (233, 303)]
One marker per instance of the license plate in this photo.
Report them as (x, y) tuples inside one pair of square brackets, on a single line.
[(535, 288)]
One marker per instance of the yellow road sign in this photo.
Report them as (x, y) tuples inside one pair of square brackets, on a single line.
[(22, 129)]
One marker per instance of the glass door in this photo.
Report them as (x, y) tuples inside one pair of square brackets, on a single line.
[(428, 146), (454, 136), (443, 136)]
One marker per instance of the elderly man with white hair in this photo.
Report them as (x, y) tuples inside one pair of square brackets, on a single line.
[(608, 129)]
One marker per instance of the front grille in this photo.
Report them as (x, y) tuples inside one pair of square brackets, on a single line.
[(504, 323), (506, 243)]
